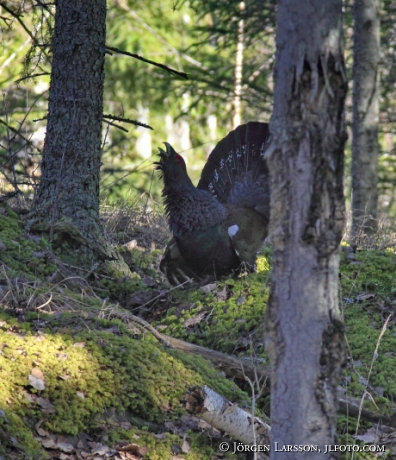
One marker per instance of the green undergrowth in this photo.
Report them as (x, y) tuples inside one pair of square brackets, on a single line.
[(23, 256), (368, 297), (90, 365), (368, 271), (88, 370), (229, 318), (143, 261), (163, 447), (143, 264), (368, 289)]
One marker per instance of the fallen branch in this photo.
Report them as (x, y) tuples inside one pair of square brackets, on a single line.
[(240, 368), (206, 404), (230, 365), (348, 405)]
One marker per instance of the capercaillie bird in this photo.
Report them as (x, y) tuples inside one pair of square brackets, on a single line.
[(220, 225)]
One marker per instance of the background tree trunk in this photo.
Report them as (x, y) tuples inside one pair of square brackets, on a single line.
[(236, 119), (366, 53), (68, 195), (306, 156)]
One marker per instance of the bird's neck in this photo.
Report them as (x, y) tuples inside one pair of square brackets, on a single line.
[(190, 209)]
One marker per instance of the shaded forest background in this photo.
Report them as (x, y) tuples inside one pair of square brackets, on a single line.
[(197, 38), (90, 318)]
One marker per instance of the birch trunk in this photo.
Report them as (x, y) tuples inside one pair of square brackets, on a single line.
[(366, 54), (206, 404), (306, 156)]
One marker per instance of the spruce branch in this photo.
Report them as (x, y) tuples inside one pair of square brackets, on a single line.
[(18, 17), (125, 120), (115, 125), (140, 58)]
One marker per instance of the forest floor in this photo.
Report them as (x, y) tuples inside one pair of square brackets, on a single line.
[(80, 379)]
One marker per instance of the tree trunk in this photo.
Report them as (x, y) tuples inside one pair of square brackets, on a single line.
[(236, 119), (366, 53), (67, 199), (304, 332)]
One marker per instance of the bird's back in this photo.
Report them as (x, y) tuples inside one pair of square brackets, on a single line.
[(236, 173)]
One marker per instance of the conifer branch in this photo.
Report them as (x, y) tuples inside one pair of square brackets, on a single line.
[(125, 120), (140, 58), (17, 16), (115, 125)]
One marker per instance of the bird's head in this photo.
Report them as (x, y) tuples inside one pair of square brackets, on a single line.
[(171, 166)]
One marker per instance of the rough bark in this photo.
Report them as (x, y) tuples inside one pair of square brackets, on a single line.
[(304, 334), (69, 185), (366, 54)]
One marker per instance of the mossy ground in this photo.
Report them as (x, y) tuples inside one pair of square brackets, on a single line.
[(88, 364), (89, 370), (55, 324)]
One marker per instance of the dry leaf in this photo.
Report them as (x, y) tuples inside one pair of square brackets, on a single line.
[(36, 383), (30, 397), (208, 288), (364, 296), (185, 447), (240, 300), (36, 372), (101, 449), (65, 447), (194, 320), (64, 457), (42, 432), (128, 456), (223, 294), (126, 425), (46, 406), (371, 436), (49, 443), (130, 448), (135, 449)]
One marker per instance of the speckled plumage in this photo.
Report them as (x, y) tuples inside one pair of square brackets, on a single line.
[(192, 209), (233, 192)]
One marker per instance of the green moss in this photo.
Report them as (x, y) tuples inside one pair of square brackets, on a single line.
[(142, 260), (374, 273), (22, 256), (212, 378), (121, 289), (220, 323), (94, 370), (15, 433), (163, 448), (370, 271)]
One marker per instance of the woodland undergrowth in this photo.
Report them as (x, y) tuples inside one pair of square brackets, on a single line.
[(74, 378)]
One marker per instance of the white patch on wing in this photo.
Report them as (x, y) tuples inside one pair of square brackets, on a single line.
[(233, 230)]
